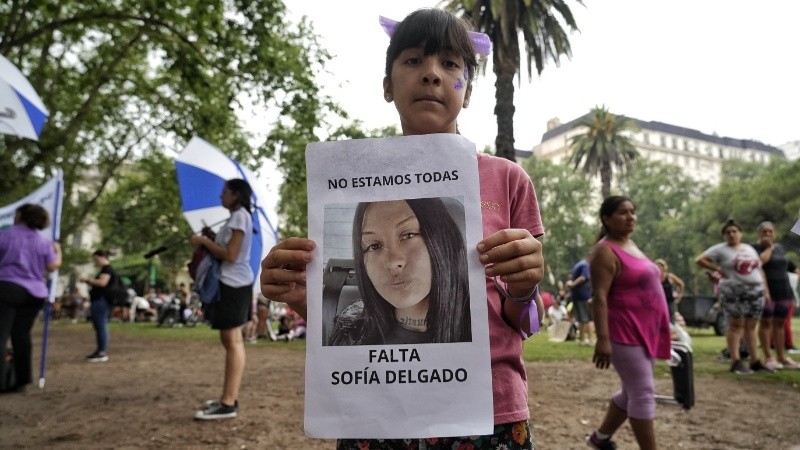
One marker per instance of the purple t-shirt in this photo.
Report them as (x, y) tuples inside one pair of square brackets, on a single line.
[(24, 255)]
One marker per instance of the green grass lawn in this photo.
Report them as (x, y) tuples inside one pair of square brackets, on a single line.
[(200, 332), (706, 349), (706, 346)]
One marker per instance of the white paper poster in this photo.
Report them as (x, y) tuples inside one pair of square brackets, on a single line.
[(398, 339)]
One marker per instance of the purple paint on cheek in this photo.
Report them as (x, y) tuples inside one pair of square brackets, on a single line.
[(458, 84)]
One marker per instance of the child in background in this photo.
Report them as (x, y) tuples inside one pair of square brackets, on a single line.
[(430, 65)]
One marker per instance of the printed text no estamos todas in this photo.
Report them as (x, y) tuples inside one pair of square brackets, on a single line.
[(392, 180)]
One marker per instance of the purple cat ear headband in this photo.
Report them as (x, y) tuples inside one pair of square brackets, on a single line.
[(481, 41)]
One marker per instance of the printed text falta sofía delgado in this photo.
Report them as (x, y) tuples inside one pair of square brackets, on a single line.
[(368, 375)]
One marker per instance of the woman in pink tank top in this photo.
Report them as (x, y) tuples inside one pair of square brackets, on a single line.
[(632, 323)]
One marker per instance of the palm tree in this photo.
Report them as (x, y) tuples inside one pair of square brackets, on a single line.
[(603, 145), (544, 38)]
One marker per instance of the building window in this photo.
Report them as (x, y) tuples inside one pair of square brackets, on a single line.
[(663, 141), (646, 138)]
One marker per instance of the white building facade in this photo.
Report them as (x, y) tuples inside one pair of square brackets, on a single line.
[(700, 155), (791, 150)]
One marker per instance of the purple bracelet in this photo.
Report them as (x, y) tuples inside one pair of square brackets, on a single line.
[(533, 318), (527, 300)]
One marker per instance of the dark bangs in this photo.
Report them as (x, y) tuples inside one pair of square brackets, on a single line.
[(439, 30)]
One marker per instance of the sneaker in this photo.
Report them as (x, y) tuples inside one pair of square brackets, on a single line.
[(600, 444), (789, 364), (758, 366), (217, 410), (97, 357), (793, 351), (216, 401), (739, 368), (772, 364)]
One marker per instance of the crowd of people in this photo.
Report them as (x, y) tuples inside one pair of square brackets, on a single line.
[(622, 302), (754, 288), (148, 307)]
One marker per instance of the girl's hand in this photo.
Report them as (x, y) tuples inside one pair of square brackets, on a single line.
[(602, 353), (197, 240), (515, 256), (283, 272)]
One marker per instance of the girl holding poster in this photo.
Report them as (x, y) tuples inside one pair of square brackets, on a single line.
[(409, 257), (430, 64)]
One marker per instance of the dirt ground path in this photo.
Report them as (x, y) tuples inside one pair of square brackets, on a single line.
[(145, 396)]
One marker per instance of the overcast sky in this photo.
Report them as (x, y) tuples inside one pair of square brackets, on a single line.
[(724, 66)]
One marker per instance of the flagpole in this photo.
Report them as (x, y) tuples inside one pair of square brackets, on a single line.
[(51, 284), (43, 359)]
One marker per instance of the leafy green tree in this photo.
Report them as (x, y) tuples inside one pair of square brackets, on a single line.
[(662, 192), (290, 153), (735, 170), (603, 146), (142, 212), (540, 25), (772, 194), (125, 78), (565, 205)]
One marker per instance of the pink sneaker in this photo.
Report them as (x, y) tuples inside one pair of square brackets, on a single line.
[(771, 364), (789, 364)]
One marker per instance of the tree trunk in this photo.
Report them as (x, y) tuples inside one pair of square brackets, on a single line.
[(504, 110), (605, 179), (506, 64)]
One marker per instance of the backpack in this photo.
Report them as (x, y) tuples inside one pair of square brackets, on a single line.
[(200, 253), (207, 282), (116, 292)]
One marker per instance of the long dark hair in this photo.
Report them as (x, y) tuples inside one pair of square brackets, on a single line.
[(243, 191), (448, 315), (610, 204), (439, 30)]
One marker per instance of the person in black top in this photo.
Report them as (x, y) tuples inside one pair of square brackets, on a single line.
[(776, 268), (100, 304), (673, 288)]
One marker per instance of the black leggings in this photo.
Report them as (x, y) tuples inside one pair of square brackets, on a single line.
[(18, 311)]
